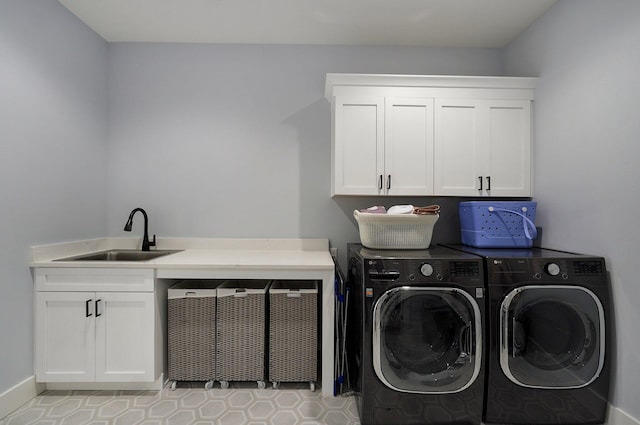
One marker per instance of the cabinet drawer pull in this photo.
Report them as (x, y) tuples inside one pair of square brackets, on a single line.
[(86, 309), (380, 182), (480, 178), (97, 314), (488, 182), (389, 182)]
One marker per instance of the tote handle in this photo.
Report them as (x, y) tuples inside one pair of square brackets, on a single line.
[(526, 222)]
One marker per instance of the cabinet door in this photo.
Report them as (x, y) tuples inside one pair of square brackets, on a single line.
[(358, 146), (65, 337), (458, 160), (124, 336), (482, 148), (508, 148), (408, 146)]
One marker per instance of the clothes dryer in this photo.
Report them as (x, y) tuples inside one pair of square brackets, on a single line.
[(548, 340), (415, 330)]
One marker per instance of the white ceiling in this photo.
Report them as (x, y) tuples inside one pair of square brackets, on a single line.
[(435, 23)]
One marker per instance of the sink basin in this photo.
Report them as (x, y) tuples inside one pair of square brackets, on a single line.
[(120, 255)]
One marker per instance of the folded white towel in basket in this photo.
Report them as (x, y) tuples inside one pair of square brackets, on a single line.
[(400, 209), (374, 210)]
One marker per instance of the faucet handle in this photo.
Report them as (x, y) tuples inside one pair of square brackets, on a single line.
[(153, 241)]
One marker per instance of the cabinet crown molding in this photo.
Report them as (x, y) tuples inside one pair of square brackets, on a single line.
[(334, 80)]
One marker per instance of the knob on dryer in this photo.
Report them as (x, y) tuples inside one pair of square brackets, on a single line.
[(426, 269), (552, 269)]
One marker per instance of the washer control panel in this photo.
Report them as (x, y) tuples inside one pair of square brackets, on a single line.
[(546, 269), (550, 268), (422, 270)]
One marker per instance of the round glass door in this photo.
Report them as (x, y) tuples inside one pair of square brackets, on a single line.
[(426, 340), (551, 336)]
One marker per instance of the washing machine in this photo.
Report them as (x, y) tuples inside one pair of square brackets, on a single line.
[(548, 343), (415, 336)]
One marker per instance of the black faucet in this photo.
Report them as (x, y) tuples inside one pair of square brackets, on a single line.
[(146, 243)]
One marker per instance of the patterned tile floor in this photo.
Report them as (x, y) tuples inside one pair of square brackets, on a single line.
[(188, 404)]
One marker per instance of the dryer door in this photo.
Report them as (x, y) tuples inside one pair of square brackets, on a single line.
[(552, 336), (427, 340)]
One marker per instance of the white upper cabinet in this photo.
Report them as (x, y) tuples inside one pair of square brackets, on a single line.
[(408, 146), (507, 148), (430, 135), (382, 146), (482, 147), (358, 148), (457, 153)]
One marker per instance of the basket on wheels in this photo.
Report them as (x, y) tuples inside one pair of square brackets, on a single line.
[(191, 333), (241, 328), (293, 332)]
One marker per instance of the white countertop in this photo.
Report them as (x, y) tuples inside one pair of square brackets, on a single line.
[(307, 254)]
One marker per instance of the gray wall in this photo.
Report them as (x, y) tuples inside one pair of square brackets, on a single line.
[(586, 150), (234, 141), (52, 155)]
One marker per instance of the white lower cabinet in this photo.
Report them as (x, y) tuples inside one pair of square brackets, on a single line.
[(95, 336)]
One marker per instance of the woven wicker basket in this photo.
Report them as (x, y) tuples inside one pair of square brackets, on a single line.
[(241, 330), (293, 331), (191, 331)]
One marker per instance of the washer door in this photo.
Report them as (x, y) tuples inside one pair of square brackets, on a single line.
[(427, 340), (552, 336)]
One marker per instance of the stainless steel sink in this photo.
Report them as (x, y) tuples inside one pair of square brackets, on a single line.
[(120, 255)]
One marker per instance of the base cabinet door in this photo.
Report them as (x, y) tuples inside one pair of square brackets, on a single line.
[(65, 337), (124, 337), (94, 336)]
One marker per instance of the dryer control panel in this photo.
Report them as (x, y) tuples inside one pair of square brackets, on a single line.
[(423, 270), (509, 270), (566, 269)]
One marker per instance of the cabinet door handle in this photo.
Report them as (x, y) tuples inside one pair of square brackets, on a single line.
[(389, 182), (380, 182), (488, 182), (97, 314), (480, 178), (86, 309)]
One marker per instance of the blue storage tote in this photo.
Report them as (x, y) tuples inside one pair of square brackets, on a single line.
[(498, 224)]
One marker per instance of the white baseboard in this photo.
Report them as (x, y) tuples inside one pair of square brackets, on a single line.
[(18, 395), (616, 416), (157, 385)]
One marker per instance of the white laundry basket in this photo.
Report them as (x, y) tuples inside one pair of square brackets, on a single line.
[(395, 231)]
